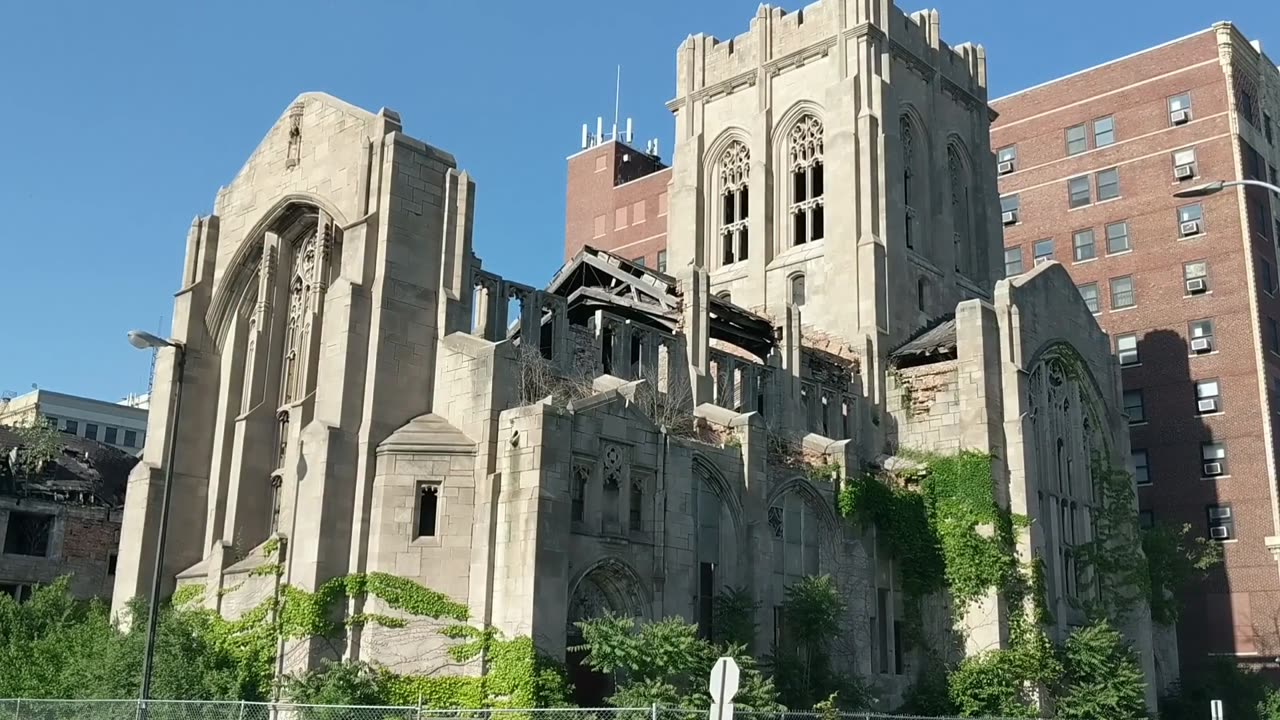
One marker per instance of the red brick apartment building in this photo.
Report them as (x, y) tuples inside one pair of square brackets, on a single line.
[(1186, 287), (616, 200)]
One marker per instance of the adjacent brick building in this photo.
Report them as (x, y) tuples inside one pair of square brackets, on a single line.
[(62, 519), (616, 200), (1186, 288)]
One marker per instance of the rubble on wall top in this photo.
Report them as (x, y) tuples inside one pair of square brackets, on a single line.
[(84, 472)]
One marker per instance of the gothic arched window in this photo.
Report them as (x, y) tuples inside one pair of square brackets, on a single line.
[(910, 191), (733, 174), (962, 227), (804, 157), (797, 290)]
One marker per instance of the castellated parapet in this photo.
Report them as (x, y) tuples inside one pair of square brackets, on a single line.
[(778, 39)]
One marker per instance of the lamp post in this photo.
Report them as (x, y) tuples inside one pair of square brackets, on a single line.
[(1218, 186), (144, 341)]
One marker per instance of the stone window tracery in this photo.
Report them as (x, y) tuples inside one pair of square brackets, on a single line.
[(804, 158), (795, 538), (910, 189), (962, 225), (734, 173)]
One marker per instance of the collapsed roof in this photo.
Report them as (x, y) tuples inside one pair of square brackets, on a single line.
[(81, 471), (599, 280)]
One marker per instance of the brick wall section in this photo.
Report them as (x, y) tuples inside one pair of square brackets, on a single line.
[(1228, 614), (616, 200), (81, 545)]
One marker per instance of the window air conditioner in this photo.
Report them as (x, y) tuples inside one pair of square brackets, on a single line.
[(1219, 532), (1005, 167), (1009, 217), (1201, 345), (1191, 227), (1184, 172), (1041, 260), (1195, 286), (1207, 405), (1213, 469), (1180, 117)]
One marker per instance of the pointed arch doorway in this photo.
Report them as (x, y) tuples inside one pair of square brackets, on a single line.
[(608, 587)]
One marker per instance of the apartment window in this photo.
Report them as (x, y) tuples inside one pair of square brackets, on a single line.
[(91, 431), (1184, 164), (1133, 406), (1208, 397), (1042, 251), (1009, 209), (1190, 220), (51, 423), (1141, 470), (638, 261), (1222, 526), (1273, 335), (71, 428), (797, 290), (1266, 275), (804, 149), (1078, 191), (1077, 140), (1118, 238), (1214, 457), (1254, 166), (1104, 131), (1201, 334), (1180, 109), (1146, 519), (28, 533), (1108, 184), (110, 436), (1127, 349), (1082, 245), (1195, 277), (1247, 106), (131, 438), (1007, 159), (1089, 292), (1012, 261), (428, 510), (598, 227), (662, 261), (1122, 295)]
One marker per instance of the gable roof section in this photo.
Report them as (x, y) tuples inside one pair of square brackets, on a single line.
[(934, 343)]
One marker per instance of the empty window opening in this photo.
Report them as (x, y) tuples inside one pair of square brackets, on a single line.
[(428, 509), (28, 534)]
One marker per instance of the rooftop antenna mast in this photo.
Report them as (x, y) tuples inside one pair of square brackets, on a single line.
[(617, 101), (151, 374)]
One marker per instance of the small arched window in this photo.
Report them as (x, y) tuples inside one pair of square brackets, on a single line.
[(922, 294), (910, 192), (797, 290), (804, 155), (960, 217)]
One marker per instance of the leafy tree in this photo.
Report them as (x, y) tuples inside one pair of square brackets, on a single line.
[(801, 661), (336, 683), (734, 618), (1173, 561), (666, 662), (1269, 706), (1245, 695), (1101, 678)]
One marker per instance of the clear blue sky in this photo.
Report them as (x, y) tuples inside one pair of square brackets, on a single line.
[(122, 119)]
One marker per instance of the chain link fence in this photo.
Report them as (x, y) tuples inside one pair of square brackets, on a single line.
[(210, 710)]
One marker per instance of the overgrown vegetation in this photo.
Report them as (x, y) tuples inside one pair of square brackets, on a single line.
[(1175, 558), (801, 660)]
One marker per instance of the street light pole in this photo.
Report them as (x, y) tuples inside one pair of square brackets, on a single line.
[(144, 340), (1218, 186)]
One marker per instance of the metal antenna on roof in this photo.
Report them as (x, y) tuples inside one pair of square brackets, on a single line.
[(151, 374), (617, 101)]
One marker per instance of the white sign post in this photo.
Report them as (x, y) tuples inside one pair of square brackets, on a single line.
[(1215, 709), (723, 686)]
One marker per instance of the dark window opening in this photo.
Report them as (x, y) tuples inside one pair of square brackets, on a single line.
[(636, 346), (428, 509), (72, 427), (815, 172), (636, 510), (17, 591), (742, 243), (28, 534), (545, 340), (131, 438), (819, 222), (728, 209), (112, 561), (799, 229), (111, 436), (897, 648), (743, 197), (800, 186), (606, 350), (706, 597)]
